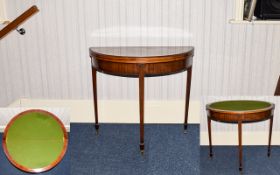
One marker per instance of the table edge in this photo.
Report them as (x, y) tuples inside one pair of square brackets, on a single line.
[(140, 59), (271, 107)]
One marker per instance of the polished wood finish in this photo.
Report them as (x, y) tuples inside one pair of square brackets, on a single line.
[(269, 137), (277, 90), (95, 98), (141, 102), (244, 116), (148, 54), (126, 61), (38, 170), (240, 117), (141, 62), (210, 136), (18, 21), (240, 143), (187, 101)]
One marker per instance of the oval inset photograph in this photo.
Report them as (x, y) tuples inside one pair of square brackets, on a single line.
[(35, 141)]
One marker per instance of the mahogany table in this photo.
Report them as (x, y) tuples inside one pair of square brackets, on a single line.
[(240, 111), (140, 62)]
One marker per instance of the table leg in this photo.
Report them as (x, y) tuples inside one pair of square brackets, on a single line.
[(240, 144), (210, 136), (188, 90), (269, 139), (95, 98), (141, 102)]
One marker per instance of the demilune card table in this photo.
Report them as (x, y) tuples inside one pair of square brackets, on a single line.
[(140, 62), (240, 111)]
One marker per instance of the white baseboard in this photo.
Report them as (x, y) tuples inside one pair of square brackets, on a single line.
[(7, 113), (248, 138), (119, 111)]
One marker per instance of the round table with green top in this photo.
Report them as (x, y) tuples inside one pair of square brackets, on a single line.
[(35, 141), (240, 111)]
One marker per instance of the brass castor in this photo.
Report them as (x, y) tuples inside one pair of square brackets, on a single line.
[(185, 128), (97, 129), (268, 153), (142, 148), (240, 168)]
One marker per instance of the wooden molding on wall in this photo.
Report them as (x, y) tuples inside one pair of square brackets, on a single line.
[(277, 90), (18, 21)]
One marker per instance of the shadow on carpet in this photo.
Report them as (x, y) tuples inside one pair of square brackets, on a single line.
[(115, 151)]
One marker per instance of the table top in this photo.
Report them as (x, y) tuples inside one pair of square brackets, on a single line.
[(240, 105), (233, 111), (34, 141), (147, 54), (147, 51)]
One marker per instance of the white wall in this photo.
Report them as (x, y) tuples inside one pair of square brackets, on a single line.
[(51, 61)]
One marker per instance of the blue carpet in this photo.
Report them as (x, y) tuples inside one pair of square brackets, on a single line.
[(115, 151), (6, 168), (225, 160)]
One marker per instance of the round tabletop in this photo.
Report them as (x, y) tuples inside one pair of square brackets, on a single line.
[(35, 141), (155, 60), (240, 110)]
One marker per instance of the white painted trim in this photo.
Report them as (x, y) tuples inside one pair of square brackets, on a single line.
[(239, 6), (239, 13), (120, 111), (248, 138), (3, 13), (14, 108), (237, 21)]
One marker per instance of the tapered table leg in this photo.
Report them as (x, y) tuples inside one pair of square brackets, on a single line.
[(95, 98), (210, 136), (188, 90), (240, 144), (269, 139), (141, 103)]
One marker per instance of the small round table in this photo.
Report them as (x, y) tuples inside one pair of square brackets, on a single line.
[(240, 111), (140, 62)]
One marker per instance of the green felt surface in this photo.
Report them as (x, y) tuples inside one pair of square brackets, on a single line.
[(35, 140), (239, 105)]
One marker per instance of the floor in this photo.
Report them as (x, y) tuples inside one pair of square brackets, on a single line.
[(168, 151), (115, 151), (6, 168), (225, 160)]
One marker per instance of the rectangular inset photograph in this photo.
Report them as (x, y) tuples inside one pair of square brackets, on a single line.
[(34, 139), (240, 134)]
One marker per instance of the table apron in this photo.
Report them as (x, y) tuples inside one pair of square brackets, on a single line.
[(235, 117), (150, 69)]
